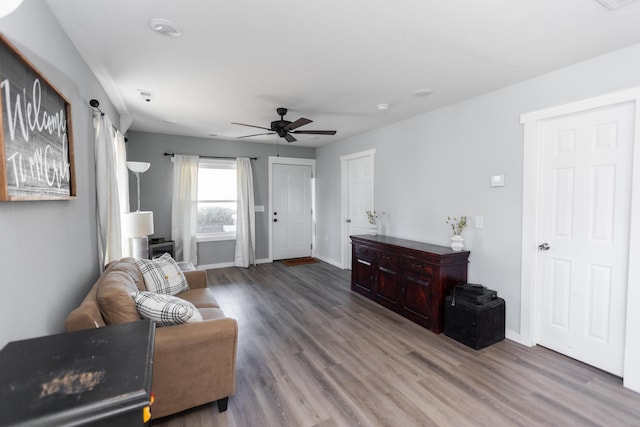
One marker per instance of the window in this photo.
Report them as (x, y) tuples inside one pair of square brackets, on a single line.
[(217, 199)]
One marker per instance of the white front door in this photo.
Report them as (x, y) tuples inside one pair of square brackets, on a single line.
[(357, 184), (584, 225), (291, 211)]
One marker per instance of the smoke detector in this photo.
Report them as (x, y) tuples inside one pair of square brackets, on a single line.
[(146, 95), (165, 27)]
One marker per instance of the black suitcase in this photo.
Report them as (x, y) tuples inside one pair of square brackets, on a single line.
[(473, 293), (475, 325)]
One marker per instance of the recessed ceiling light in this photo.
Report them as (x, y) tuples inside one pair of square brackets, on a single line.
[(170, 121), (422, 92), (383, 107), (8, 6), (165, 27)]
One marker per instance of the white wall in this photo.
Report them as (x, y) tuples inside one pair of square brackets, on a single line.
[(439, 164), (48, 249)]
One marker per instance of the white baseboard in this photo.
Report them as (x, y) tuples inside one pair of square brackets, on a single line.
[(227, 264), (513, 336), (329, 261), (214, 266)]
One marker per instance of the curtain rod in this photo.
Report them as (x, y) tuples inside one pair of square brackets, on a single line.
[(95, 104), (212, 157)]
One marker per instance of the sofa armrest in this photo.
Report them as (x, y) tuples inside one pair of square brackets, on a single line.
[(196, 278), (193, 364)]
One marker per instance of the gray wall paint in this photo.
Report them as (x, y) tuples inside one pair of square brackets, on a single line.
[(49, 256), (439, 164), (156, 183)]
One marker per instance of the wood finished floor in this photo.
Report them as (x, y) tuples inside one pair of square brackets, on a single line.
[(312, 353)]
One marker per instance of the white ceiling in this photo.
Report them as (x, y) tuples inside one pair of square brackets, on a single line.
[(332, 61)]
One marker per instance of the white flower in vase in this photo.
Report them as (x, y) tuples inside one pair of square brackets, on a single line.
[(457, 225), (371, 217)]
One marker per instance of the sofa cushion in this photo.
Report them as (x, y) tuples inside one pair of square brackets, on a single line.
[(114, 297), (162, 275), (200, 297), (166, 310)]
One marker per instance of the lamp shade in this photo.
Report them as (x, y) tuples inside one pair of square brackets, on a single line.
[(138, 167), (137, 224)]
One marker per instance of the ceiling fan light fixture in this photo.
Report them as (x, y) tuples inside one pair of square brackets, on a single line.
[(165, 27), (383, 107)]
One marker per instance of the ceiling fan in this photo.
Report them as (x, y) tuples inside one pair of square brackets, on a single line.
[(284, 128)]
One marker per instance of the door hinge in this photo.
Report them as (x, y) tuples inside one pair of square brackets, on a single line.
[(311, 245)]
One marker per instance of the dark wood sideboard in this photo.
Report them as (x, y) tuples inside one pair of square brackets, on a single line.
[(410, 278)]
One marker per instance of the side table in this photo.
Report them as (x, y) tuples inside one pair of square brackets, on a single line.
[(97, 377), (156, 249)]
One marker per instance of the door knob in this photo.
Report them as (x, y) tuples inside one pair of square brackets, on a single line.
[(275, 219), (348, 221), (544, 247)]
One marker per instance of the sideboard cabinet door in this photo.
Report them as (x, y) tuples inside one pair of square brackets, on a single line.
[(388, 291), (417, 299), (363, 270)]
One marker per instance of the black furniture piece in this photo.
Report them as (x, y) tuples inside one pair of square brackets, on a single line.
[(157, 248), (475, 323), (410, 278), (97, 377)]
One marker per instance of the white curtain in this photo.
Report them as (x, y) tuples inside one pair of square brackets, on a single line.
[(123, 184), (245, 223), (112, 194), (184, 208)]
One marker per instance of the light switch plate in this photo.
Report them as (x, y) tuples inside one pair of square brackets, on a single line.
[(497, 181)]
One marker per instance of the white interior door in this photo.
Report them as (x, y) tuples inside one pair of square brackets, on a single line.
[(291, 215), (584, 224), (357, 184)]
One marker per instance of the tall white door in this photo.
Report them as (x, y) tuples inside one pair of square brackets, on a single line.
[(291, 211), (358, 181), (584, 228)]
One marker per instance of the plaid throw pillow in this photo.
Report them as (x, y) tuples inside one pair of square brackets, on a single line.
[(166, 310), (162, 275)]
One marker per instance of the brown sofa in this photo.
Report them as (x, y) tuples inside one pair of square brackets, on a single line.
[(193, 363)]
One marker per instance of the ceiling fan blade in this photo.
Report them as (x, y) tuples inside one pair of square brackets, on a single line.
[(316, 132), (289, 138), (252, 126), (300, 122), (257, 134)]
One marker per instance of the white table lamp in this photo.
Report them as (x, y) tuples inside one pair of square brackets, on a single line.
[(138, 226)]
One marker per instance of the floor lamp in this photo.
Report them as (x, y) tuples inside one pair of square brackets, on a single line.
[(138, 225)]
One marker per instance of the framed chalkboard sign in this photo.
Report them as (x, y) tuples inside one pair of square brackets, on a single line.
[(36, 143)]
